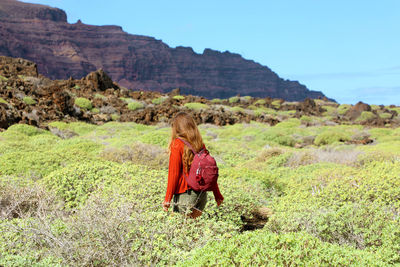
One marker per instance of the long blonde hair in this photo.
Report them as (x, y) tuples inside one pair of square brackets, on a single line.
[(184, 127)]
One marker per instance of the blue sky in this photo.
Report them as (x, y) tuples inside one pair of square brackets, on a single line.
[(349, 50)]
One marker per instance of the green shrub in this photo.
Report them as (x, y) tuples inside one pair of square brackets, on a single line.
[(77, 181), (80, 128), (158, 101), (247, 98), (276, 104), (3, 101), (77, 87), (234, 99), (4, 79), (29, 100), (95, 110), (330, 111), (115, 117), (27, 130), (261, 248), (330, 137), (237, 109), (179, 97), (306, 119), (260, 102), (135, 105), (99, 96), (343, 108), (196, 106), (216, 101), (83, 103), (375, 107), (385, 115), (365, 116)]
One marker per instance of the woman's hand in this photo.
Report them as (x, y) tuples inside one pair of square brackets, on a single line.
[(165, 206), (219, 202)]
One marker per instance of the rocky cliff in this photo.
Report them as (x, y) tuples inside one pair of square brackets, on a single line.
[(62, 50), (28, 97)]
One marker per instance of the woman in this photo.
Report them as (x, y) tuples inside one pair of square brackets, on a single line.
[(185, 199)]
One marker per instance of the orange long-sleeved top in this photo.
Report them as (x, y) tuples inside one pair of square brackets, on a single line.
[(176, 182)]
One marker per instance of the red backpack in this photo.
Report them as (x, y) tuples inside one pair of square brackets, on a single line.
[(203, 173)]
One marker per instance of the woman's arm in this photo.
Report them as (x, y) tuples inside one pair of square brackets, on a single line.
[(174, 172), (217, 195)]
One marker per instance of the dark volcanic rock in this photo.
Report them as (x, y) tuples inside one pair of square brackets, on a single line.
[(99, 80), (355, 111), (62, 50)]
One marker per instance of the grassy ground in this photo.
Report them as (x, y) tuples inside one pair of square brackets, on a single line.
[(85, 195)]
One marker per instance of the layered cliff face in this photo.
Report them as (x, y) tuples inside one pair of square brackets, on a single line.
[(61, 50)]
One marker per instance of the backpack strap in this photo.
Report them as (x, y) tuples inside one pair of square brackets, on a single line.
[(188, 144)]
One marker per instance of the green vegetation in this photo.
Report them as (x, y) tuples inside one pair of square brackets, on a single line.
[(83, 103), (331, 137), (77, 87), (94, 198), (276, 103), (234, 99), (29, 100), (247, 98), (158, 101), (385, 115), (375, 107), (330, 111), (216, 101), (260, 102), (95, 110), (365, 116), (196, 106), (115, 117), (4, 79), (343, 108), (3, 101), (178, 97), (100, 96), (237, 109), (134, 105)]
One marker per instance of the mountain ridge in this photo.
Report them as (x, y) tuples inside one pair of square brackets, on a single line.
[(62, 50)]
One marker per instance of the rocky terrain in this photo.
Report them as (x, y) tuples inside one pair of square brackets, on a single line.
[(28, 97), (62, 50)]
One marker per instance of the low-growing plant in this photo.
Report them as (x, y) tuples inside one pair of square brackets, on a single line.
[(83, 103), (330, 137), (115, 117), (343, 108), (4, 79), (178, 97), (234, 99), (262, 248), (216, 101), (375, 107), (366, 116), (29, 100), (134, 105), (99, 96), (385, 115), (3, 101), (260, 102), (237, 109), (158, 100), (95, 110), (247, 98), (276, 104), (196, 106), (306, 119), (330, 111)]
